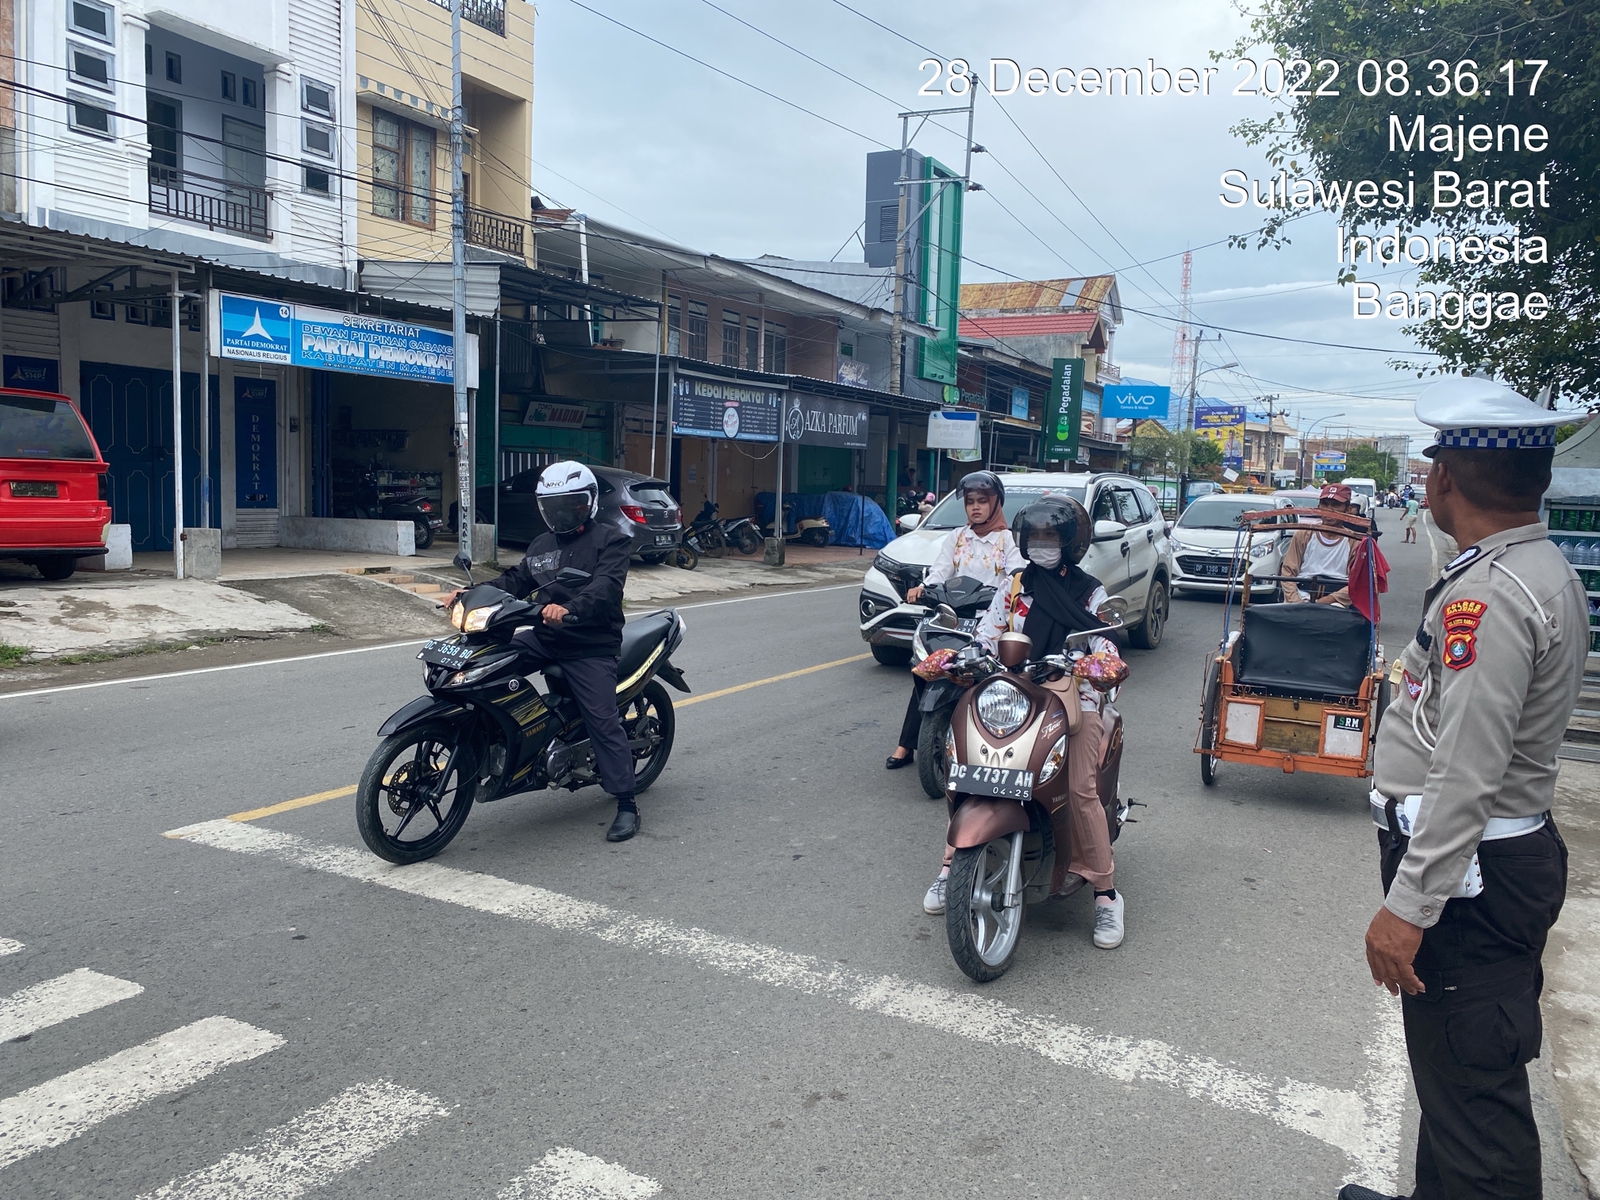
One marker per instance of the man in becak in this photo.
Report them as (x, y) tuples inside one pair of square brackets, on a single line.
[(1313, 554), (1474, 869)]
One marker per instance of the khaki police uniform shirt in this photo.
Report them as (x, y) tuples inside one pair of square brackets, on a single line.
[(1481, 702)]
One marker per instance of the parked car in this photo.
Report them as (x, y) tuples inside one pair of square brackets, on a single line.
[(1130, 555), (1205, 538), (55, 494), (638, 505)]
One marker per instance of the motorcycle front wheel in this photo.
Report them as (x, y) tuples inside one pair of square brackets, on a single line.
[(650, 724), (933, 765), (416, 792), (983, 938)]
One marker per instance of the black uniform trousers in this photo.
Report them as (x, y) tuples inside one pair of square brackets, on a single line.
[(911, 727), (1471, 1035), (593, 684)]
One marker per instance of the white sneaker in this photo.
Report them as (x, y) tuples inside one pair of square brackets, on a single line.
[(933, 901), (1108, 923)]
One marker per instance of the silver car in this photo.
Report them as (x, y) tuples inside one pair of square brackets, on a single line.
[(1205, 540), (1129, 555)]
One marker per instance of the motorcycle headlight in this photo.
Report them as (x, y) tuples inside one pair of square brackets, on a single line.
[(478, 619), (1053, 760), (458, 614), (459, 678), (1002, 707)]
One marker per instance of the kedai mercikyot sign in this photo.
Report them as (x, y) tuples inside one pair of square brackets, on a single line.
[(252, 329)]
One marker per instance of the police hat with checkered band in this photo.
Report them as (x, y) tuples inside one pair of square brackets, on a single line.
[(1476, 413)]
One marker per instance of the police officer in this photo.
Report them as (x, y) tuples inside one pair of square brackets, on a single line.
[(1473, 867)]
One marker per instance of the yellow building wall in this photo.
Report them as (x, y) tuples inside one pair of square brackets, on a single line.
[(403, 66)]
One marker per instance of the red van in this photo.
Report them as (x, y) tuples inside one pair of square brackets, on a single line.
[(54, 491)]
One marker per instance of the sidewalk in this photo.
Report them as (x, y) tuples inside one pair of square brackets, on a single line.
[(1572, 970)]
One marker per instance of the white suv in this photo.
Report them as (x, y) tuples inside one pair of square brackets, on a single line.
[(1129, 555)]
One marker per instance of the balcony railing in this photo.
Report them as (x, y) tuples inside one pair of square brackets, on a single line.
[(214, 203), (485, 14), (494, 231)]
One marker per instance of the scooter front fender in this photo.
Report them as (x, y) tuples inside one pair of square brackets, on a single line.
[(938, 693), (423, 708), (979, 821)]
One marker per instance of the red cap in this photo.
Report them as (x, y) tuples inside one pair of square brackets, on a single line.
[(1334, 491)]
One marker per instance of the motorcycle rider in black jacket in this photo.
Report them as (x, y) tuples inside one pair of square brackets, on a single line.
[(569, 499)]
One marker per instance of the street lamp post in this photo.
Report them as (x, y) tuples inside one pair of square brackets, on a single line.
[(1305, 444)]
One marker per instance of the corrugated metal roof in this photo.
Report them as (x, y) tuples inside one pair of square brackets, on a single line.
[(1028, 325), (1026, 296)]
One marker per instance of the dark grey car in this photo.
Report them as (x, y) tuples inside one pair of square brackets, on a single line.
[(638, 505)]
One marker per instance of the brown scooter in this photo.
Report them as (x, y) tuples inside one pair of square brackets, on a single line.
[(1008, 790)]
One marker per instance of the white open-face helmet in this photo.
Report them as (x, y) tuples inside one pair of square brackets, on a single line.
[(568, 496)]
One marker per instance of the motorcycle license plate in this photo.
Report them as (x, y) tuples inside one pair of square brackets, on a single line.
[(666, 539), (446, 653), (1010, 783)]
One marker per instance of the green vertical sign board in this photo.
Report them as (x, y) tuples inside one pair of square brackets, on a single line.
[(940, 271), (1064, 413)]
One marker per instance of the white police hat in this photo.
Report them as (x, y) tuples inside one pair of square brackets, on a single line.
[(1476, 413)]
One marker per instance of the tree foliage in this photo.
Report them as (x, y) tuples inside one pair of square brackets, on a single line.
[(1367, 462), (1164, 451), (1347, 137)]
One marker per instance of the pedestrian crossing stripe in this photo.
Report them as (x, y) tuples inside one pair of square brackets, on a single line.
[(7, 946), (567, 1174), (60, 999)]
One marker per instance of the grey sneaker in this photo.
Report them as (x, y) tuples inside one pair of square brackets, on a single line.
[(1108, 923), (933, 901)]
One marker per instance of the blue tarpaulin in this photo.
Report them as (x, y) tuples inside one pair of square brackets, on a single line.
[(854, 520)]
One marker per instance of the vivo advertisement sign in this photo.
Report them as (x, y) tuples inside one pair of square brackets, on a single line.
[(270, 331), (1137, 401)]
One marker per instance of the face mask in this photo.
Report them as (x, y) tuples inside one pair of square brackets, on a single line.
[(1048, 557)]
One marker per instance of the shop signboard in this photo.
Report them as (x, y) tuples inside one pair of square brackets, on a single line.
[(251, 329), (555, 415), (820, 421), (40, 374), (1135, 401), (1324, 461), (954, 429), (1063, 415), (724, 408), (1019, 402), (1223, 424), (255, 442)]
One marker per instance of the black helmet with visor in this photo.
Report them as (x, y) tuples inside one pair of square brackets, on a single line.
[(983, 481), (1058, 518)]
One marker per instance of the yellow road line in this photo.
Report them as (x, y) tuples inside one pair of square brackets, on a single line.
[(255, 814), (745, 687)]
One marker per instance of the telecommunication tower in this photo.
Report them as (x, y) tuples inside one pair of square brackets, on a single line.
[(1183, 347)]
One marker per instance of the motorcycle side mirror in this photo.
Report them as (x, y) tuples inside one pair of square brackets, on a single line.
[(572, 577), (1113, 612), (463, 564), (947, 617)]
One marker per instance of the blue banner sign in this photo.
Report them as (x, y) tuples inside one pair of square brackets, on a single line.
[(1135, 400), (255, 442), (300, 335)]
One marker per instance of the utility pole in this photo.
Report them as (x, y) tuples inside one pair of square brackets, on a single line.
[(465, 492), (1272, 415)]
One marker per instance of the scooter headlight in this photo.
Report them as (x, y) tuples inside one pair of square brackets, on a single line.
[(458, 678), (1054, 760), (458, 614), (1002, 707), (478, 619)]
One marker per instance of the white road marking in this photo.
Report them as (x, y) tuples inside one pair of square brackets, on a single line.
[(60, 999), (765, 596), (313, 1149), (7, 946), (268, 662), (1342, 1118), (1385, 1087), (566, 1174), (64, 1107)]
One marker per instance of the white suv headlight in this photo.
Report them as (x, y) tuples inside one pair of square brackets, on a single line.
[(1002, 707), (1261, 550)]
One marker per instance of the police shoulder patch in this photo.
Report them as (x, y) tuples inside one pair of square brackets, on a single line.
[(1462, 559), (1461, 619)]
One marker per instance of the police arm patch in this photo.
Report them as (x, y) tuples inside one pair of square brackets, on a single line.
[(1461, 618)]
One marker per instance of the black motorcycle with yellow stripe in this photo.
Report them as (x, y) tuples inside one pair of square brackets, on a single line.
[(484, 731)]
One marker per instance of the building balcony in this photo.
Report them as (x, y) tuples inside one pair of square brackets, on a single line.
[(214, 203), (485, 14), (494, 232)]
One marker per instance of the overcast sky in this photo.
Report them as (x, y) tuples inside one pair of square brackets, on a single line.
[(634, 133)]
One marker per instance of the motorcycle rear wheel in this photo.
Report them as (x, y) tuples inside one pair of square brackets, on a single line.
[(424, 536), (419, 774), (749, 541), (649, 716), (982, 941), (685, 558), (815, 537), (933, 766)]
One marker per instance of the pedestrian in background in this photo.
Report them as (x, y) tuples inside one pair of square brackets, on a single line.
[(1473, 867)]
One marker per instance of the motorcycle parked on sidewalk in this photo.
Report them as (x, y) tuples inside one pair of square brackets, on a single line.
[(1008, 780), (484, 731), (813, 531), (966, 600), (375, 503), (706, 531)]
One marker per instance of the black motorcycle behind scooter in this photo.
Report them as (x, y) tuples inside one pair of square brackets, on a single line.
[(966, 600), (484, 731)]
